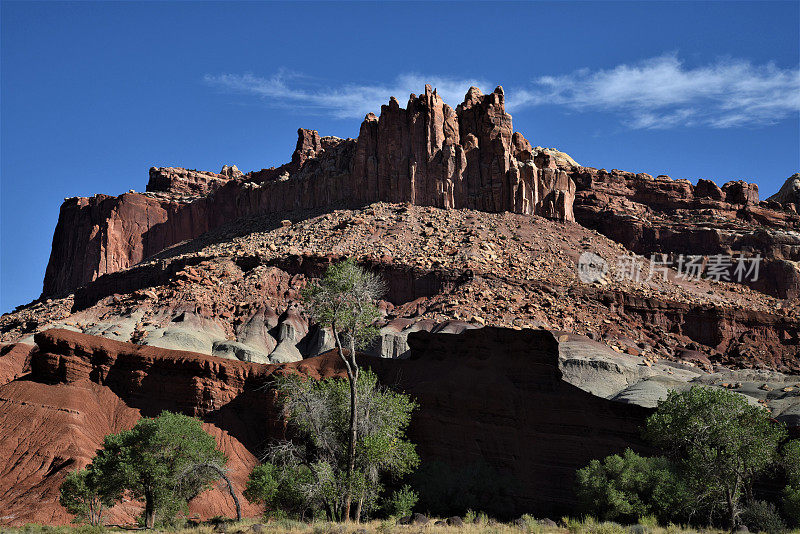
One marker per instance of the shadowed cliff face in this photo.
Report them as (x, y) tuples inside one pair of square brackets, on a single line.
[(492, 395), (496, 396), (426, 154)]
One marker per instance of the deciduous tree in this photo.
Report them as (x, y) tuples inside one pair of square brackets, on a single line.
[(719, 441), (344, 301), (151, 459)]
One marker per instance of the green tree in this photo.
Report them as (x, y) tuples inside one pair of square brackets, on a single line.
[(344, 301), (313, 468), (281, 488), (630, 487), (87, 492), (791, 493), (719, 441), (153, 458)]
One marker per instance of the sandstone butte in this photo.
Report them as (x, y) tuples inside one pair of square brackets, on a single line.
[(426, 154), (186, 298)]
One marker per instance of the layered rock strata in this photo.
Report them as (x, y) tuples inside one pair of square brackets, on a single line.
[(654, 216), (426, 154)]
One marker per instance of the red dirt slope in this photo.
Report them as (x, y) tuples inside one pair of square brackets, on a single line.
[(83, 387)]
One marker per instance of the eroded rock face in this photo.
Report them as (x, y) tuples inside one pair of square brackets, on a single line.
[(430, 155), (494, 395), (521, 401), (497, 396), (79, 388), (664, 216), (789, 193), (190, 183), (62, 425), (426, 154)]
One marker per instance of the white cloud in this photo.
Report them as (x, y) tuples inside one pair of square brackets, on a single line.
[(346, 101), (656, 93), (662, 92)]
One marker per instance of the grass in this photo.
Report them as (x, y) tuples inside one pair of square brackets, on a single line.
[(526, 525)]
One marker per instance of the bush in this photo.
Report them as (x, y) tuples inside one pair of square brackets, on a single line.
[(589, 525), (469, 517), (791, 461), (630, 487), (86, 493), (761, 516), (402, 502), (791, 493), (280, 489), (791, 504)]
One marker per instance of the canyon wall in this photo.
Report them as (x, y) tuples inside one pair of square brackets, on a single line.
[(426, 154), (674, 217), (492, 395)]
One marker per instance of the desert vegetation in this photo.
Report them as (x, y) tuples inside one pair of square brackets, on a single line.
[(716, 448), (346, 459), (164, 461)]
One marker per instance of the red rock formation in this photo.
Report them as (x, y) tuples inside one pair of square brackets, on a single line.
[(308, 147), (430, 155), (789, 194), (50, 430), (661, 215), (15, 361), (426, 154), (496, 395), (82, 388), (183, 182), (493, 394)]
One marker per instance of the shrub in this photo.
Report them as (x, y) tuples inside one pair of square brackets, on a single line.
[(530, 524), (791, 461), (590, 525), (761, 516), (791, 504), (86, 493), (402, 502), (280, 489), (791, 493), (630, 487)]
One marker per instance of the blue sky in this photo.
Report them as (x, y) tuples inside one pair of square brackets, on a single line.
[(93, 94)]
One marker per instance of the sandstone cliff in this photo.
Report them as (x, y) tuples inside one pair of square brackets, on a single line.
[(494, 396), (426, 154), (674, 217)]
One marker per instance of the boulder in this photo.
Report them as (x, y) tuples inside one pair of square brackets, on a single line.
[(419, 519), (455, 521)]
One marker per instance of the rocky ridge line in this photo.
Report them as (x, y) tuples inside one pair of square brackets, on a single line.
[(426, 154)]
